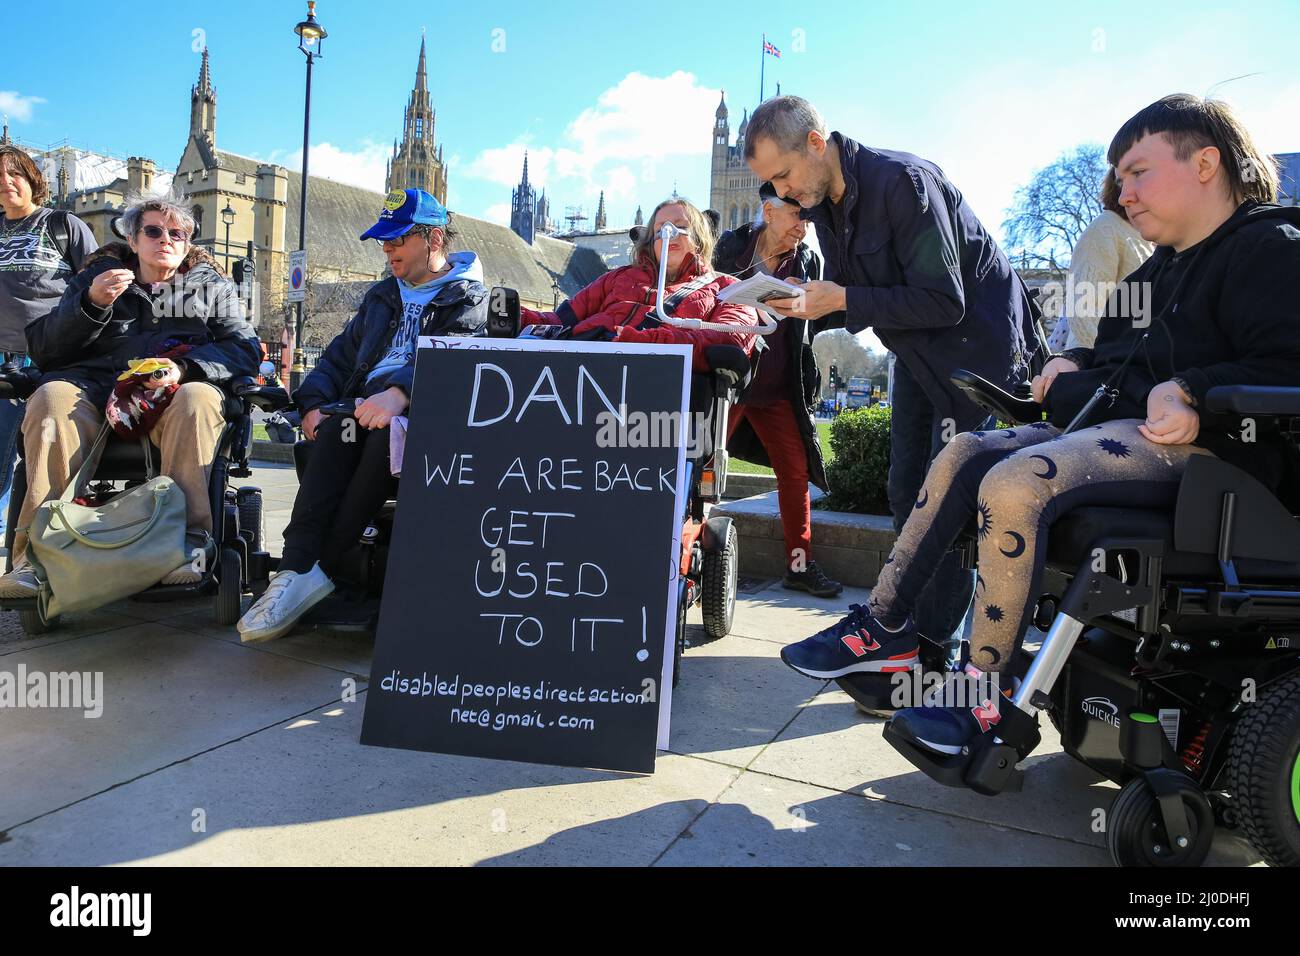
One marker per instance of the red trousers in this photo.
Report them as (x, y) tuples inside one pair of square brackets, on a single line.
[(778, 430)]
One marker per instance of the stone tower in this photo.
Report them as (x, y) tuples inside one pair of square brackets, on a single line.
[(416, 164), (523, 207), (733, 189), (600, 212), (203, 106)]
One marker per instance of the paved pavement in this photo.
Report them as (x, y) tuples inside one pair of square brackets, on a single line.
[(212, 752)]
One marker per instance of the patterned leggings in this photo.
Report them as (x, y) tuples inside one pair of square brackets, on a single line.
[(1016, 482)]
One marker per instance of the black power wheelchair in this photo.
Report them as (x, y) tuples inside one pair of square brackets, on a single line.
[(1171, 661), (241, 565)]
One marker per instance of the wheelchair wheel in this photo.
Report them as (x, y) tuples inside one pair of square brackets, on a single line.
[(1264, 773), (1135, 833), (230, 589), (679, 642), (250, 515), (33, 621), (718, 601)]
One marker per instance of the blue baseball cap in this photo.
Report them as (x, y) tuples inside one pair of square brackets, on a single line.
[(403, 209)]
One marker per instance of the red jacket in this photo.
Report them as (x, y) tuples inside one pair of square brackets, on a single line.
[(621, 299)]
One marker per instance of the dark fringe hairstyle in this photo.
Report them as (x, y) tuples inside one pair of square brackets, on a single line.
[(1191, 123)]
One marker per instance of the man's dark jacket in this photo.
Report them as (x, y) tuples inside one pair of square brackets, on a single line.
[(733, 254), (925, 276), (458, 308), (79, 342)]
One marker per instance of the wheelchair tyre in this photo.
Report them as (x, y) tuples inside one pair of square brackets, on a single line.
[(679, 642), (250, 516), (33, 622), (718, 600), (230, 588), (1135, 834), (1264, 773)]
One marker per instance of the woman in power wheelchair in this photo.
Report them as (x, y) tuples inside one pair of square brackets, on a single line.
[(348, 402), (669, 294), (156, 296), (1135, 425)]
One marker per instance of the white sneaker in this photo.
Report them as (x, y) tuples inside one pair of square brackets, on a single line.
[(20, 582), (287, 598)]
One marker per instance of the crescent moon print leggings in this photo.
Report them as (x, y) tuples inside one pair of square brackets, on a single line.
[(1016, 482)]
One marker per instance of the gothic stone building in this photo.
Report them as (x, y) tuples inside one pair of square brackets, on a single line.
[(733, 189), (265, 199)]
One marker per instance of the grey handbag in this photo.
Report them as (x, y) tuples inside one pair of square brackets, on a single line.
[(88, 556)]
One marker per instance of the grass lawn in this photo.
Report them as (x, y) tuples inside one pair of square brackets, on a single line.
[(736, 466)]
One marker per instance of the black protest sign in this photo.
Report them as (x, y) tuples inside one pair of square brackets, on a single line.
[(532, 581)]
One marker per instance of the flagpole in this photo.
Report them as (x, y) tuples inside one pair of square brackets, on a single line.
[(762, 64)]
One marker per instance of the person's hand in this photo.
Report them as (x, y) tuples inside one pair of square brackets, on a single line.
[(820, 298), (1043, 381), (108, 285), (1171, 420), (378, 410), (310, 422)]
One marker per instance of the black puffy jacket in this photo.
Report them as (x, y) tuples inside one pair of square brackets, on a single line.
[(81, 343)]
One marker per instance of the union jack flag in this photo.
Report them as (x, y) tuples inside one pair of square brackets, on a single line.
[(768, 48)]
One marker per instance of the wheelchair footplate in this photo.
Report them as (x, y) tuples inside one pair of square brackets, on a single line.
[(987, 766)]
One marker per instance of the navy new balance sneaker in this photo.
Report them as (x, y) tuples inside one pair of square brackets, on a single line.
[(947, 730), (856, 644)]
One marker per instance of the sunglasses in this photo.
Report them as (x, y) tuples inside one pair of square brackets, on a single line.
[(157, 232), (401, 240)]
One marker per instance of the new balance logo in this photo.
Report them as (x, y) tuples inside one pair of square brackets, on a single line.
[(859, 647), (987, 715)]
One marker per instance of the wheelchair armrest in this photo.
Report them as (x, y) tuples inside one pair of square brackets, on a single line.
[(1253, 400), (269, 398), (1010, 408), (18, 383), (729, 363)]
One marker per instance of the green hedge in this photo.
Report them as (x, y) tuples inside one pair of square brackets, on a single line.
[(858, 472)]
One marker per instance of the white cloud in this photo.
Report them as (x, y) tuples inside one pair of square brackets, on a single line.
[(364, 167), (636, 125), (504, 165), (17, 106), (498, 213)]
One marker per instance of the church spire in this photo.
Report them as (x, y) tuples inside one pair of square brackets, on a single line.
[(600, 212), (203, 105), (417, 163), (421, 78)]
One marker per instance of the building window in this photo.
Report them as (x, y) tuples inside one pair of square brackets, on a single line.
[(419, 127), (197, 213)]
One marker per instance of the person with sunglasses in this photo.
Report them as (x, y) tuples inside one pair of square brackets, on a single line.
[(371, 363), (155, 295)]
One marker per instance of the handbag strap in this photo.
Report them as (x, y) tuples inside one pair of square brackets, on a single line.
[(88, 464), (56, 508), (91, 462)]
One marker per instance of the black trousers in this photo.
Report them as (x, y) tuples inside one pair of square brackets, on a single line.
[(347, 481)]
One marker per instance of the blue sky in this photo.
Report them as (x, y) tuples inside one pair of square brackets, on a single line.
[(621, 97)]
